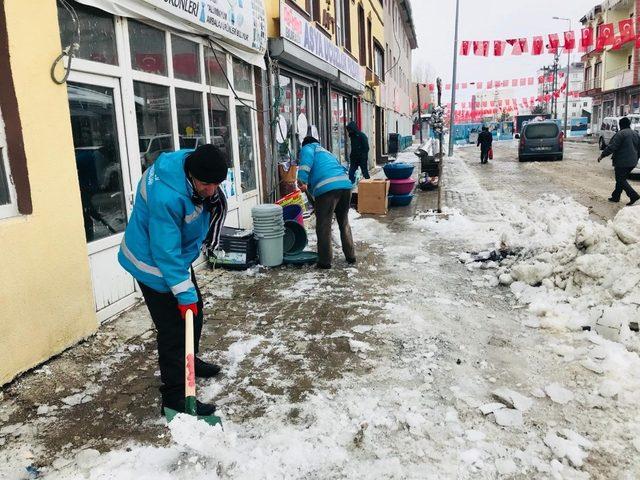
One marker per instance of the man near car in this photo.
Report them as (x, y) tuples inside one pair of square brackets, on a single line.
[(322, 175), (179, 211), (624, 149), (485, 142), (359, 157)]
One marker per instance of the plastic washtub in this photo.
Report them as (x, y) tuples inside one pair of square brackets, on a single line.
[(400, 200), (293, 212), (398, 170), (295, 237), (402, 187)]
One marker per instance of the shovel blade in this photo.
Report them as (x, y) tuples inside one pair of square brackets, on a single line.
[(212, 420)]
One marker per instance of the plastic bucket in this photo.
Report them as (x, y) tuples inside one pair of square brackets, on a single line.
[(266, 209), (293, 212), (270, 251), (295, 237), (401, 187)]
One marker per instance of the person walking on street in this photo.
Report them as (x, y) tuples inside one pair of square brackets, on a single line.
[(179, 211), (321, 174), (359, 157), (625, 149), (485, 142)]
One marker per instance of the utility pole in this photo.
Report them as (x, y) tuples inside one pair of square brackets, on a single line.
[(419, 114), (566, 96), (452, 120)]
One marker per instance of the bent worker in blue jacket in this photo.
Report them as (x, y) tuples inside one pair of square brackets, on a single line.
[(179, 211), (323, 176)]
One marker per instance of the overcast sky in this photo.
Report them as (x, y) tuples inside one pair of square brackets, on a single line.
[(490, 20)]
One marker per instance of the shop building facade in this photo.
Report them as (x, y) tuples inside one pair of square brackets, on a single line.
[(148, 77), (328, 61), (400, 41)]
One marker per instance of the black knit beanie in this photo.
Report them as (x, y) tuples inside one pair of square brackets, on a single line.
[(207, 164)]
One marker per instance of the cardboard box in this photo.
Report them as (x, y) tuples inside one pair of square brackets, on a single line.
[(372, 196)]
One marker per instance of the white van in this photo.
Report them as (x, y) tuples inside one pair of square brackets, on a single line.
[(608, 128)]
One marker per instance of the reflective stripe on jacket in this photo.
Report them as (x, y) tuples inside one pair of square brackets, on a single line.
[(166, 229), (321, 170)]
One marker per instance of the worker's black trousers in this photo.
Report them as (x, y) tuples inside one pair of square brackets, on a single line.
[(163, 308)]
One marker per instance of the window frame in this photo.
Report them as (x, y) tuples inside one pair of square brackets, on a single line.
[(14, 157), (126, 75), (10, 209)]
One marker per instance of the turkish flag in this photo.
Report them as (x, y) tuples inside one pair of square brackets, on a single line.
[(498, 47), (627, 32), (479, 85), (485, 48), (541, 79), (554, 43), (447, 86), (569, 41), (606, 35), (586, 39), (617, 43), (524, 45), (490, 85), (530, 81), (493, 104), (432, 87), (517, 49), (464, 48), (464, 86), (523, 82), (538, 45), (514, 82), (476, 47)]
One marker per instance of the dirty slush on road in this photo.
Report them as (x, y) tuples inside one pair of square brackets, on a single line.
[(430, 359)]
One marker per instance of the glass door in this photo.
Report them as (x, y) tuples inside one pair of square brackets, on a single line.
[(106, 193)]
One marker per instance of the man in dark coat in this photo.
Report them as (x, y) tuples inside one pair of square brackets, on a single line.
[(359, 152), (625, 149), (485, 141)]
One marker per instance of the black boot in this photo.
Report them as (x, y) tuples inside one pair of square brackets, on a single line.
[(205, 369), (202, 409)]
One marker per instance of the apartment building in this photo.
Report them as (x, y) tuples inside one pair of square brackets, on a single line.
[(611, 75)]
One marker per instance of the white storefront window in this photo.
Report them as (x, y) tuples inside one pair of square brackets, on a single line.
[(8, 206)]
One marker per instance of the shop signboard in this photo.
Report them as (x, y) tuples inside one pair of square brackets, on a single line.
[(240, 21), (295, 28)]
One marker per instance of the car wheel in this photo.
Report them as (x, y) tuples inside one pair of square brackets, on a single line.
[(559, 157), (520, 158), (601, 144)]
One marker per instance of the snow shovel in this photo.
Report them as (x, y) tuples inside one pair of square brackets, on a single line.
[(190, 378)]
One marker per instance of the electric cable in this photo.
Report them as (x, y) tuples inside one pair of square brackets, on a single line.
[(70, 50)]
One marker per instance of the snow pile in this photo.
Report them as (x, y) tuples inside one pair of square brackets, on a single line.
[(582, 275)]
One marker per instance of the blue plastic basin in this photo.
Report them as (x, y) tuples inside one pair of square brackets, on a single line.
[(398, 170), (400, 200)]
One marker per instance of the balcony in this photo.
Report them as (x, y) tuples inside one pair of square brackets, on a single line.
[(593, 85), (619, 78)]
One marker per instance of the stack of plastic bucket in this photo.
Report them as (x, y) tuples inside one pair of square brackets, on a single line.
[(268, 227)]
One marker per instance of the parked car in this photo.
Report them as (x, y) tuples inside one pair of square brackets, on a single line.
[(608, 128), (151, 146), (541, 140)]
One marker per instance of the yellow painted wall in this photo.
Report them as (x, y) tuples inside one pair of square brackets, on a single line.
[(46, 299)]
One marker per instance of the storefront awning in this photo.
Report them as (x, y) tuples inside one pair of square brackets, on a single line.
[(288, 52), (241, 29)]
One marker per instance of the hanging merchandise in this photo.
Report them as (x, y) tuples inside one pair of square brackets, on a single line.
[(498, 47), (464, 47)]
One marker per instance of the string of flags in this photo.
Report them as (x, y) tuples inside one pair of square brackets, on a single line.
[(509, 104), (605, 36), (496, 84)]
